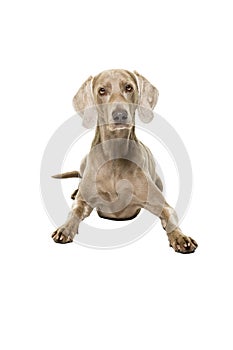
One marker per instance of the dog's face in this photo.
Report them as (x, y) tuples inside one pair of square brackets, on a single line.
[(113, 96)]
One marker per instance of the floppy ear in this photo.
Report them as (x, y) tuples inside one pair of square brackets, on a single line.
[(148, 96), (84, 104)]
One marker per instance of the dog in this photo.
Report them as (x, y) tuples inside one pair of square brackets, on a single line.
[(118, 176)]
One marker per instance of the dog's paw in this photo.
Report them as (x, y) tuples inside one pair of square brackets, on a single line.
[(66, 232), (181, 243), (60, 236)]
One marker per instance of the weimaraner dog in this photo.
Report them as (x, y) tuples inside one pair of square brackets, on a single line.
[(118, 176)]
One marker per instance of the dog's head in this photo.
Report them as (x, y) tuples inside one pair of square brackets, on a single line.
[(113, 96)]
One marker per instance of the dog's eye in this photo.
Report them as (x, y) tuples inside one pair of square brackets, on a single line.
[(102, 91), (128, 88)]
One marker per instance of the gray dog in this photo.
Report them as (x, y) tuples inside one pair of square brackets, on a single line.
[(118, 176)]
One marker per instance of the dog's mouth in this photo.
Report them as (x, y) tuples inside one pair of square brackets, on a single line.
[(119, 126)]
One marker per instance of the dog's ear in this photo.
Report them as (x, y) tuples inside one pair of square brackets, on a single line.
[(84, 104), (148, 96)]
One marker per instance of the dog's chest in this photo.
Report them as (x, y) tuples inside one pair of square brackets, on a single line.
[(108, 178), (119, 176)]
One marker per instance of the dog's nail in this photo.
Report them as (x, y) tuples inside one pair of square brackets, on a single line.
[(195, 243)]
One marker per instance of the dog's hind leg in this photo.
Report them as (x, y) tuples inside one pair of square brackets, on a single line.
[(74, 194)]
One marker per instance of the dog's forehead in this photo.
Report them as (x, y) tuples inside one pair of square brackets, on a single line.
[(114, 75)]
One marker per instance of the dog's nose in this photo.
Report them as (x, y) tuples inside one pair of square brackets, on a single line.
[(120, 115)]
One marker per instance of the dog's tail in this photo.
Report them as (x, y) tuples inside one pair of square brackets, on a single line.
[(67, 175)]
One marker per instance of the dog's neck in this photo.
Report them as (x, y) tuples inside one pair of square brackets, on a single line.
[(121, 140)]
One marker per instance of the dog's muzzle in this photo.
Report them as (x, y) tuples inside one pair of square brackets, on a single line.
[(120, 116)]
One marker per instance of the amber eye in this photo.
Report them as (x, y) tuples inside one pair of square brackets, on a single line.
[(128, 88), (102, 91)]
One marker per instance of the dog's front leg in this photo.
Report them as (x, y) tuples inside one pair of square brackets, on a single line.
[(158, 206), (80, 210), (178, 241)]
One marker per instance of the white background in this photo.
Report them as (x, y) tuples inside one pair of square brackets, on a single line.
[(143, 296)]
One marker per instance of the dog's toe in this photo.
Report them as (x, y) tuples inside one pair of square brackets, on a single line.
[(182, 244), (60, 237)]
